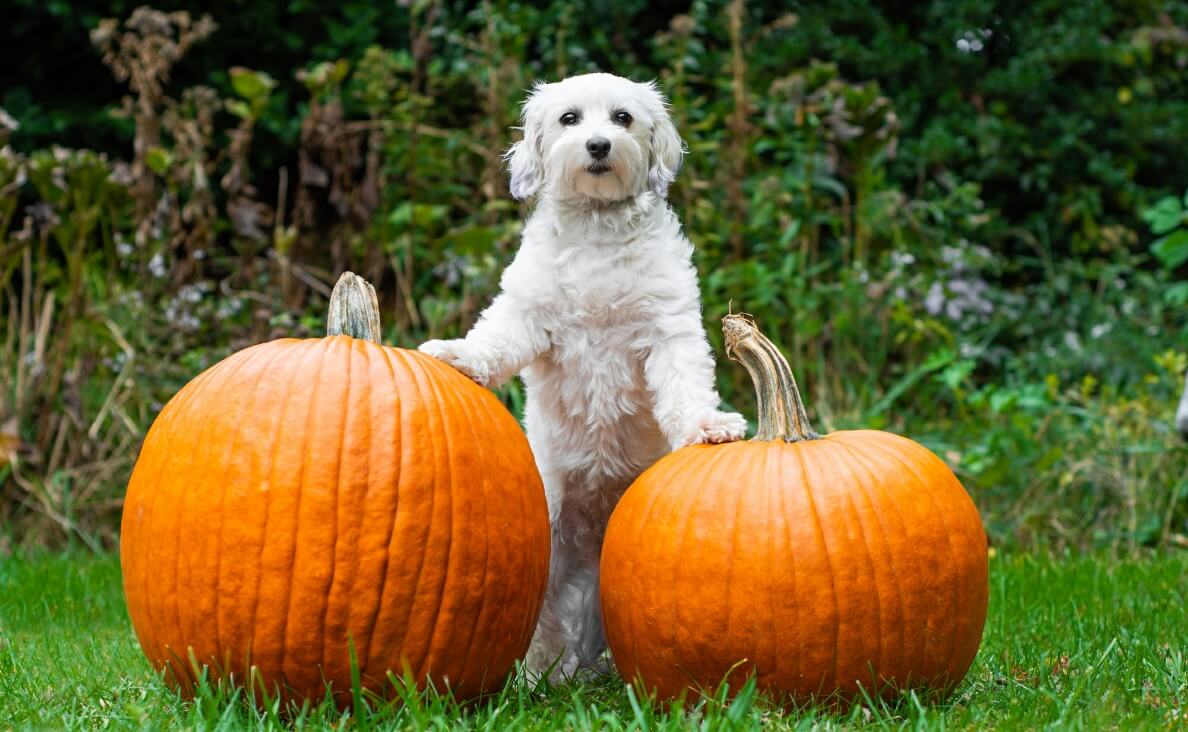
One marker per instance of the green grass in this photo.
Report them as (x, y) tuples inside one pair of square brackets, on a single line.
[(1072, 643)]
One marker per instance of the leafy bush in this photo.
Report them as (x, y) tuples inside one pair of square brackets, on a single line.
[(936, 211)]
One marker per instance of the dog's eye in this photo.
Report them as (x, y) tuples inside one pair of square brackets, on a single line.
[(621, 118), (569, 118)]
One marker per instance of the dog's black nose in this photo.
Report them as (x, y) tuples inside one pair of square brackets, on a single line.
[(598, 147)]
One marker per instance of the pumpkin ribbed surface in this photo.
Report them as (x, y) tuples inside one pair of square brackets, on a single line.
[(811, 563), (304, 496), (819, 564)]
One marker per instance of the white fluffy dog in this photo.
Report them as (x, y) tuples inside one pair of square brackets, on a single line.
[(600, 314)]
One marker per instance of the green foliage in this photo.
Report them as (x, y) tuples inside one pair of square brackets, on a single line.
[(1065, 460), (935, 210), (1168, 220), (254, 87), (1083, 643)]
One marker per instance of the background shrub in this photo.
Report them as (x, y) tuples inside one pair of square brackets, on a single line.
[(944, 213)]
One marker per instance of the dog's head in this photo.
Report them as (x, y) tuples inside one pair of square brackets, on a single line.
[(595, 136)]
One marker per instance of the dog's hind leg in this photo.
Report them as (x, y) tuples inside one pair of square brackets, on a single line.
[(569, 636)]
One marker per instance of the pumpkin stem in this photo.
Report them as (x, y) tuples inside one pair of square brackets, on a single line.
[(354, 309), (781, 411)]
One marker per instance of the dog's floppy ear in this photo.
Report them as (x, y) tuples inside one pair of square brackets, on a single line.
[(667, 149), (525, 159)]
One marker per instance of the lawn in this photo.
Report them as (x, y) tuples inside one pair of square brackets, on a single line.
[(1076, 642)]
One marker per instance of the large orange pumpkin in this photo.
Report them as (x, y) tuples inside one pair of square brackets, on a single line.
[(817, 563), (306, 498)]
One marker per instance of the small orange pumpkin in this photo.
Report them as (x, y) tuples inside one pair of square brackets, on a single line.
[(306, 498), (817, 563)]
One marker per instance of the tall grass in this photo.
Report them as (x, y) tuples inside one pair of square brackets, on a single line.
[(1090, 642)]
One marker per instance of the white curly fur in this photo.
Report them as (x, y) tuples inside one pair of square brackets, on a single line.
[(600, 314)]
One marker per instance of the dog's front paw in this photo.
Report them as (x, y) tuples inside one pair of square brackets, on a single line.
[(717, 427), (458, 354)]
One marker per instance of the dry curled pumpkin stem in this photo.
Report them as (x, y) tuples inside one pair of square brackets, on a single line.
[(781, 411), (354, 309)]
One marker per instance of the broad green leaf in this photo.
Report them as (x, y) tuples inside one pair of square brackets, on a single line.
[(1176, 295), (1165, 215), (239, 108), (251, 85), (1003, 399), (401, 215), (956, 373), (1172, 249)]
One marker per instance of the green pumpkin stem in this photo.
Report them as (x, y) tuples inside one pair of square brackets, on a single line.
[(781, 411), (354, 309)]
